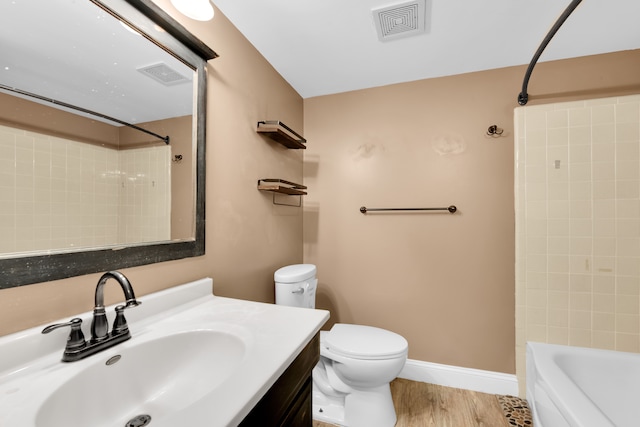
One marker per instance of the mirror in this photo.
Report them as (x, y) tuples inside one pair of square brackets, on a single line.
[(102, 113)]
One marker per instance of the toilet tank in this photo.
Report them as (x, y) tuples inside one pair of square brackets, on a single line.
[(296, 285)]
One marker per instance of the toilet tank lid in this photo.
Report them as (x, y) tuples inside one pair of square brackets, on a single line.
[(295, 273), (360, 341)]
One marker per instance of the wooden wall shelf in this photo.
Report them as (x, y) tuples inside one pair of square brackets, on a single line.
[(277, 185), (281, 133)]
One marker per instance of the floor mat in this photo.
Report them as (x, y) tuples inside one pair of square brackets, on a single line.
[(516, 410)]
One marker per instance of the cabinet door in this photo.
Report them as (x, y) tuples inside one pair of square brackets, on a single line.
[(288, 401), (301, 413)]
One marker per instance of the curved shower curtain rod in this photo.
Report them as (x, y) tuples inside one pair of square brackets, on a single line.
[(523, 97)]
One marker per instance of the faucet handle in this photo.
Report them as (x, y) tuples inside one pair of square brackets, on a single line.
[(76, 337), (120, 323)]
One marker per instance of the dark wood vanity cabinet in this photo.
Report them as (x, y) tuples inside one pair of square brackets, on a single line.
[(288, 401)]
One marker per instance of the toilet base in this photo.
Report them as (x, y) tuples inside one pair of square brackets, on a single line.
[(328, 409), (361, 408)]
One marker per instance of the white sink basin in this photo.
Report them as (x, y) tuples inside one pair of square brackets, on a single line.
[(152, 378), (193, 359)]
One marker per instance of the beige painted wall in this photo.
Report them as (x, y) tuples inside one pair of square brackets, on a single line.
[(445, 282), (247, 237)]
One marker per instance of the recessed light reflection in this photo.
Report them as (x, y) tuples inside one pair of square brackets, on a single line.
[(200, 10)]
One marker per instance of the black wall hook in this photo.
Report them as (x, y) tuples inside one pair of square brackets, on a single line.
[(494, 130)]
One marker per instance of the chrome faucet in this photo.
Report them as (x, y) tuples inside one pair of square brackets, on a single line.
[(77, 347)]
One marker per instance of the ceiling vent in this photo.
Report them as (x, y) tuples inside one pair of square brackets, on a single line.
[(164, 74), (400, 20)]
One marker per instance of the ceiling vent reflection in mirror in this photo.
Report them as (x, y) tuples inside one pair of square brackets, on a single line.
[(400, 20), (164, 74)]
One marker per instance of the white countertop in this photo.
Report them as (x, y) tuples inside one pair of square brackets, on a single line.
[(30, 366)]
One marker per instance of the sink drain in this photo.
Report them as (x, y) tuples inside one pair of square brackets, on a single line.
[(139, 421)]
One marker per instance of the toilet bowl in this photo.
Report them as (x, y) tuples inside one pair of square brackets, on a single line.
[(357, 363), (351, 381)]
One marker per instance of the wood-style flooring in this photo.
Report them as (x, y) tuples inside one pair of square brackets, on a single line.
[(427, 405)]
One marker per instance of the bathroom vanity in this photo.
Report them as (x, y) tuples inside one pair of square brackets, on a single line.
[(193, 359), (288, 401)]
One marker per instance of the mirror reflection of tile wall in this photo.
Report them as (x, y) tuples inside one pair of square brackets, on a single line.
[(144, 208), (57, 193), (578, 225)]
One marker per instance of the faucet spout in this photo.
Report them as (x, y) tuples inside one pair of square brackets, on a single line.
[(129, 295), (99, 325)]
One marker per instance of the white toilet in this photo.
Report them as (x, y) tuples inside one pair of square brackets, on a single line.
[(357, 363)]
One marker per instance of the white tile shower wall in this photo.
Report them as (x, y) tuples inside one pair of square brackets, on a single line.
[(578, 225), (145, 195), (57, 193)]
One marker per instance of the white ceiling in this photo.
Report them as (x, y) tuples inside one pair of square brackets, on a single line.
[(74, 52), (329, 46)]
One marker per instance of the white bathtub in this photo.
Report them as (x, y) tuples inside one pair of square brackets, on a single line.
[(582, 387)]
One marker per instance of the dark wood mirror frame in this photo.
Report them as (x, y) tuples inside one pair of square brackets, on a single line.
[(175, 39)]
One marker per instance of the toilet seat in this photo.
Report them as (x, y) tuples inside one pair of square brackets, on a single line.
[(364, 342)]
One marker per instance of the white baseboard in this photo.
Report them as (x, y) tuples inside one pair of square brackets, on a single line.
[(458, 377)]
